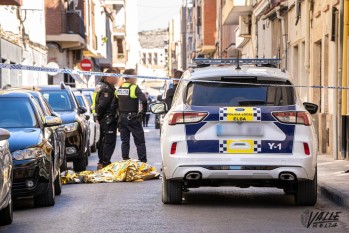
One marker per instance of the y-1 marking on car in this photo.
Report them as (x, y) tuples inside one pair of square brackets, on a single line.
[(273, 146)]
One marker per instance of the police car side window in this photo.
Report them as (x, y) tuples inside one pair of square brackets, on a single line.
[(178, 94)]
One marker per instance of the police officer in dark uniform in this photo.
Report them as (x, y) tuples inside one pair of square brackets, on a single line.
[(129, 96), (106, 107), (171, 91)]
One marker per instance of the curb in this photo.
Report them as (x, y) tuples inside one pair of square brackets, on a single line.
[(334, 195)]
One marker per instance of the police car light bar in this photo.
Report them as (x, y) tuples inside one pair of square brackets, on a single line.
[(237, 61)]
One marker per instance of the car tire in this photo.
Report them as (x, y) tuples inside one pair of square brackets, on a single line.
[(87, 154), (306, 192), (94, 146), (48, 198), (58, 184), (6, 214), (64, 165), (80, 164), (171, 191)]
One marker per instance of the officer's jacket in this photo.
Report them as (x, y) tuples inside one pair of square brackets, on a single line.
[(129, 96), (106, 102)]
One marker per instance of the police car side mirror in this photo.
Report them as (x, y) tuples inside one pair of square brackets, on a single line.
[(82, 110), (158, 108), (311, 108), (159, 98)]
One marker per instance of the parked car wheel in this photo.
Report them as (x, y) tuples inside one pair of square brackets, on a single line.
[(94, 146), (6, 214), (171, 191), (64, 165), (80, 164), (306, 193), (58, 184), (48, 198)]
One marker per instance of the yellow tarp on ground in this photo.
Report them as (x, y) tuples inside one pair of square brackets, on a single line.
[(123, 171)]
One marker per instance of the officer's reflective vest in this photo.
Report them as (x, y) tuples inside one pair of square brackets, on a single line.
[(128, 100), (94, 97)]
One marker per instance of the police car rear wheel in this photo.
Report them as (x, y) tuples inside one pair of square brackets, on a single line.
[(171, 191), (306, 193)]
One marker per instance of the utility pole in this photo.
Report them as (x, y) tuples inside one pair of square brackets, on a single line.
[(184, 34)]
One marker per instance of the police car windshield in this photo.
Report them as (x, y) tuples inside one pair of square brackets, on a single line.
[(17, 113), (59, 100), (222, 94)]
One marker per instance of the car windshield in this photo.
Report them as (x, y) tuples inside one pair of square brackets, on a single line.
[(222, 94), (80, 100), (88, 97), (17, 113), (59, 100)]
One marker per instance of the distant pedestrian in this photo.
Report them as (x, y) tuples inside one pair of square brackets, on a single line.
[(146, 116), (130, 119), (171, 91), (106, 107)]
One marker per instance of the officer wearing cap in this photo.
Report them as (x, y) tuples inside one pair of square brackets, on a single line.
[(129, 96), (106, 107)]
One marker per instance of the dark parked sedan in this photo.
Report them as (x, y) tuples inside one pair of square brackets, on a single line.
[(63, 101), (6, 204), (33, 147)]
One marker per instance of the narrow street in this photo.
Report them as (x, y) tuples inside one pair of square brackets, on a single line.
[(137, 207)]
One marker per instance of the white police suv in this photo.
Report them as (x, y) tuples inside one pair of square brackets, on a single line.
[(238, 126)]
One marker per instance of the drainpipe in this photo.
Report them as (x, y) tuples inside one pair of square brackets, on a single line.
[(307, 36), (284, 35), (345, 57), (345, 127)]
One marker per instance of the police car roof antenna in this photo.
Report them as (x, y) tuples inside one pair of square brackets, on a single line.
[(238, 64)]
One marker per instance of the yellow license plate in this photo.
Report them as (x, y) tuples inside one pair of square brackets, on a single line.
[(240, 114)]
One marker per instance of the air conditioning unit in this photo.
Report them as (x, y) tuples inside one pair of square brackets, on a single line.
[(72, 5), (245, 26)]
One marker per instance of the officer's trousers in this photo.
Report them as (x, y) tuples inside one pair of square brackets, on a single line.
[(128, 125), (107, 142)]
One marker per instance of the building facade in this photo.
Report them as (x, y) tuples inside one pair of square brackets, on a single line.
[(22, 41)]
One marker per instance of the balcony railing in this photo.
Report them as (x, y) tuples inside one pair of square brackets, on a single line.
[(72, 23)]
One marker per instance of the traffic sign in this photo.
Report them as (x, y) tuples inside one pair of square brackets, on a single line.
[(86, 65)]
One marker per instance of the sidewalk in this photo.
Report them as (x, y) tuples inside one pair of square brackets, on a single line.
[(333, 182)]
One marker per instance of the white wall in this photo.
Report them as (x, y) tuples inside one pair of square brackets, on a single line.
[(27, 53)]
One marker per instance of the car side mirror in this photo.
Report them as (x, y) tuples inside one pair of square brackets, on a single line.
[(55, 114), (158, 108), (82, 110), (52, 121), (4, 134), (159, 98), (311, 108)]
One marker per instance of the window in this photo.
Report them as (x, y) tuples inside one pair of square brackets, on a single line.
[(120, 46), (218, 94), (17, 113)]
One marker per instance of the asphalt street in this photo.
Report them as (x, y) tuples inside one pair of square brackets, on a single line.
[(137, 207)]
